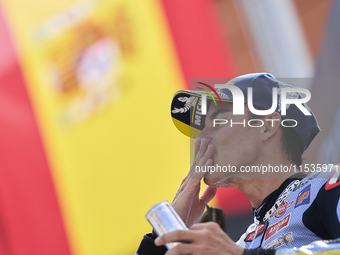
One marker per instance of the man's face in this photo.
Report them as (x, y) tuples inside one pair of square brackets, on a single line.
[(235, 146)]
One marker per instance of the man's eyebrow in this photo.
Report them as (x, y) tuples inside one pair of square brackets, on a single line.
[(213, 116)]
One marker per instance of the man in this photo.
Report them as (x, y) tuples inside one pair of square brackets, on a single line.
[(290, 210)]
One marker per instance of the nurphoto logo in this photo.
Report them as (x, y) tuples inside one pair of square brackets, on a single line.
[(286, 97)]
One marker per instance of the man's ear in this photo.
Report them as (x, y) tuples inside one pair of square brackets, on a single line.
[(271, 125)]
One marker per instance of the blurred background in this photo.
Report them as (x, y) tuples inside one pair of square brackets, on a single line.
[(87, 144)]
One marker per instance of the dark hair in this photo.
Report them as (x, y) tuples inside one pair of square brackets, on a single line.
[(290, 142), (291, 145)]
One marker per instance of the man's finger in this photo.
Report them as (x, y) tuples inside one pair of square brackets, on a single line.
[(176, 236), (203, 157), (206, 225), (197, 146), (182, 249), (201, 169), (208, 194), (207, 155), (202, 149)]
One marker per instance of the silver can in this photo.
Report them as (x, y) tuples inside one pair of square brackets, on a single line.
[(163, 218)]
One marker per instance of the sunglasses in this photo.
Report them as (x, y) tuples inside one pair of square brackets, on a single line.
[(216, 215)]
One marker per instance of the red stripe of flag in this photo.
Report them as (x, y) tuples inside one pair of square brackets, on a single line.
[(30, 216)]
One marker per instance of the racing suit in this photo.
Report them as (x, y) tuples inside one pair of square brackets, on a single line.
[(303, 210)]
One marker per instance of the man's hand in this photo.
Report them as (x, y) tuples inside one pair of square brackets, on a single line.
[(187, 202), (203, 238)]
